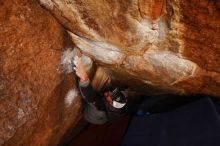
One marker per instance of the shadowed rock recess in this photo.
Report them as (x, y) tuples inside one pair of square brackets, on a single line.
[(155, 47)]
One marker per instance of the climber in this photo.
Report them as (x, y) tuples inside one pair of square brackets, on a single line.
[(99, 107)]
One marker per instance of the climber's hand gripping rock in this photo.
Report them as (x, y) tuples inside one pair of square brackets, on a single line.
[(80, 69)]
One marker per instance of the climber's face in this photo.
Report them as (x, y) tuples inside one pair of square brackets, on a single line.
[(108, 97)]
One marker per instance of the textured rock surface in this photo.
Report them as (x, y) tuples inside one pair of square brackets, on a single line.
[(168, 46), (38, 104), (157, 47)]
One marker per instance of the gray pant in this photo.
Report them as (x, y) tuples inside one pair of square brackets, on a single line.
[(93, 115)]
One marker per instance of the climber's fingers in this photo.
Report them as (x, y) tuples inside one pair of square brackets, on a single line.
[(77, 61), (75, 69)]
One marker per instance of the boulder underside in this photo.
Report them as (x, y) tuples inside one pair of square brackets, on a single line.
[(154, 47)]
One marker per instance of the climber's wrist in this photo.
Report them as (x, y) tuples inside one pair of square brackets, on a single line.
[(84, 79)]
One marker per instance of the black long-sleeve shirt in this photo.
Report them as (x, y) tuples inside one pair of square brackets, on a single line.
[(91, 96)]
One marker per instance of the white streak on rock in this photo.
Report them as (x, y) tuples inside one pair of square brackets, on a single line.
[(144, 30), (47, 3), (170, 66), (71, 95), (148, 82), (66, 58), (101, 51)]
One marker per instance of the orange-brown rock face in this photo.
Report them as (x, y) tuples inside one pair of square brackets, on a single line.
[(38, 104), (155, 46), (165, 45)]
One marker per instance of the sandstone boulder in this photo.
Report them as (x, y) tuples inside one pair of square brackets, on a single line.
[(168, 46), (38, 103), (155, 47)]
